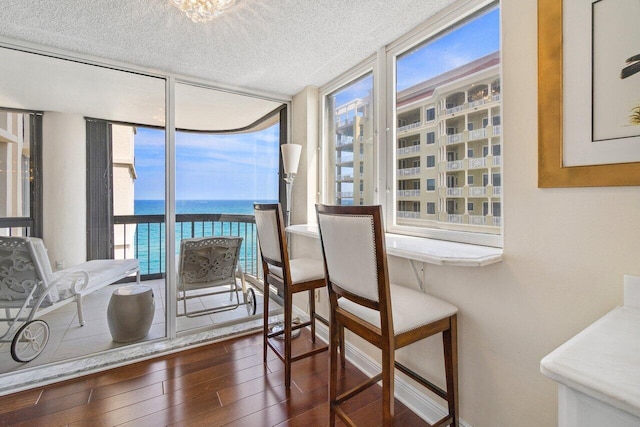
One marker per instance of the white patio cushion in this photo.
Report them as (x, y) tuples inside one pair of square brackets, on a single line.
[(302, 270), (410, 308)]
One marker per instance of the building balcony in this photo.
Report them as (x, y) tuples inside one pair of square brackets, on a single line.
[(477, 191), (497, 191), (456, 165), (497, 161), (344, 178), (492, 221), (408, 171), (477, 134), (456, 138), (344, 194), (477, 163), (496, 130), (408, 193), (455, 218), (409, 127), (453, 192), (455, 109), (408, 150), (408, 214), (342, 140)]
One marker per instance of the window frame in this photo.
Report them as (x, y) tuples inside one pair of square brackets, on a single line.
[(382, 65)]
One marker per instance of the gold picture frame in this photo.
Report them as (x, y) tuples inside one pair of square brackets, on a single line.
[(551, 171)]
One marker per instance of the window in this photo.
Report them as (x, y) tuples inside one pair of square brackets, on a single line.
[(431, 138), (495, 150), (470, 206), (495, 180), (431, 208), (415, 62), (430, 114), (495, 120), (340, 142)]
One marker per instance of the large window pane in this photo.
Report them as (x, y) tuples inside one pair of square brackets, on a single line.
[(349, 118), (448, 132)]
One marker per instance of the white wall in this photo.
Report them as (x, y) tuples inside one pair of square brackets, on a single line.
[(566, 251), (64, 191)]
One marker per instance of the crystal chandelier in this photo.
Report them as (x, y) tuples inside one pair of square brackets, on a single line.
[(203, 10)]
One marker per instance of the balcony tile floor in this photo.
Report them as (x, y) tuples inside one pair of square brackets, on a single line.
[(70, 340)]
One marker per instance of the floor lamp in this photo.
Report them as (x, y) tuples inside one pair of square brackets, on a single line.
[(290, 162)]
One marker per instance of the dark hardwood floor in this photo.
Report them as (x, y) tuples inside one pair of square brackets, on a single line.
[(223, 384)]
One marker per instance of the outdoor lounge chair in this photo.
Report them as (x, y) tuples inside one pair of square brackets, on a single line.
[(210, 263), (29, 288)]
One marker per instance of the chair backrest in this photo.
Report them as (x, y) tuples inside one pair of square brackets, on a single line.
[(208, 261), (271, 236), (24, 264), (354, 252)]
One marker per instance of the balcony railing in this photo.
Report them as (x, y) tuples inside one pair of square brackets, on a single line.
[(497, 191), (455, 138), (345, 194), (408, 171), (477, 191), (454, 109), (455, 192), (477, 134), (497, 160), (497, 130), (454, 219), (149, 237), (344, 178), (411, 126), (478, 220), (476, 163), (408, 193), (408, 214), (343, 140), (455, 165), (408, 150)]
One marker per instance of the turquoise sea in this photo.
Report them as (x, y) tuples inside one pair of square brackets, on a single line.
[(149, 237)]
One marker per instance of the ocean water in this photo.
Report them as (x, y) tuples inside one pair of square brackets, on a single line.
[(150, 237)]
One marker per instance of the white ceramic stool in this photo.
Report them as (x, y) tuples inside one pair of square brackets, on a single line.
[(130, 313)]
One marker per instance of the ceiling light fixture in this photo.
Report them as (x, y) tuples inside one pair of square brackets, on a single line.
[(202, 10)]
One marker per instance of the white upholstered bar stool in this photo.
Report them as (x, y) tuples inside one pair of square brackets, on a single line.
[(388, 316), (288, 276)]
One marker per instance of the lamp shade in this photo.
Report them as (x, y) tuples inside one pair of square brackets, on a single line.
[(291, 157)]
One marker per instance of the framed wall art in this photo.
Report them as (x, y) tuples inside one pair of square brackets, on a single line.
[(588, 93)]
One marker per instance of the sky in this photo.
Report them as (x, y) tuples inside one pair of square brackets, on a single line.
[(209, 167), (223, 167)]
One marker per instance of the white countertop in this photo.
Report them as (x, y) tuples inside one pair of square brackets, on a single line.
[(421, 249), (603, 361)]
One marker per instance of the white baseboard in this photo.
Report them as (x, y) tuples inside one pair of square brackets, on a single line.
[(414, 398)]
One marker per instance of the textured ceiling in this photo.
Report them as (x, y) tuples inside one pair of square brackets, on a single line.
[(278, 46)]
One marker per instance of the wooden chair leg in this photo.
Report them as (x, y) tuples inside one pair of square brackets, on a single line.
[(334, 342), (266, 321), (450, 341), (312, 314), (388, 370), (342, 345), (288, 318)]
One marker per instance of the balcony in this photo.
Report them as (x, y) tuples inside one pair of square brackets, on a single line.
[(455, 192), (408, 150), (345, 158), (409, 127), (477, 191), (455, 165), (477, 163), (342, 140), (477, 134), (497, 161), (344, 178), (497, 191), (408, 214), (478, 220), (408, 193), (497, 130), (455, 109), (344, 194), (149, 234), (455, 138), (408, 171), (455, 218)]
